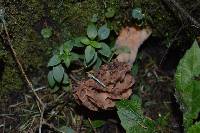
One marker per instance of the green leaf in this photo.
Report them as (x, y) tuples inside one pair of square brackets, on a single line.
[(105, 50), (55, 88), (85, 40), (55, 60), (74, 56), (97, 63), (131, 117), (68, 45), (103, 32), (89, 53), (194, 128), (95, 44), (188, 67), (134, 69), (67, 60), (77, 42), (65, 79), (58, 73), (137, 13), (46, 32), (187, 88), (51, 80), (91, 31), (92, 61), (110, 13), (97, 123), (94, 18)]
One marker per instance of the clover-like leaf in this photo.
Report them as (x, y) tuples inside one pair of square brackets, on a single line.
[(103, 32), (105, 50), (89, 53), (58, 73), (91, 31), (55, 60)]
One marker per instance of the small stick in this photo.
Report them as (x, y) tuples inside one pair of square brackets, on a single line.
[(97, 80), (29, 84), (184, 12), (92, 125)]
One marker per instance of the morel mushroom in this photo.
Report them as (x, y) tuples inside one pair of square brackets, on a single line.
[(112, 82)]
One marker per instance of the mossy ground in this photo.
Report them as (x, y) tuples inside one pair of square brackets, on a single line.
[(25, 20), (69, 18)]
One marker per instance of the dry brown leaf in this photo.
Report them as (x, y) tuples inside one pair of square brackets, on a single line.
[(118, 81), (133, 38)]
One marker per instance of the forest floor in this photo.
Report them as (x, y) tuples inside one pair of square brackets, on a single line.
[(173, 33)]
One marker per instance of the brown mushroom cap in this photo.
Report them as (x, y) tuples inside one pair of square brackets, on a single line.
[(118, 81), (115, 76)]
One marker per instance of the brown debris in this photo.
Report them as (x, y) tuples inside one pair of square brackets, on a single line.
[(118, 81), (131, 37)]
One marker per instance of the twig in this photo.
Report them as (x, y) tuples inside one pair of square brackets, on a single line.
[(40, 88), (29, 84), (41, 118), (80, 127), (169, 46), (97, 80), (92, 125), (183, 11), (4, 127)]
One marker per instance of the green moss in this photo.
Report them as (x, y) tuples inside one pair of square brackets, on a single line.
[(67, 19), (10, 79)]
